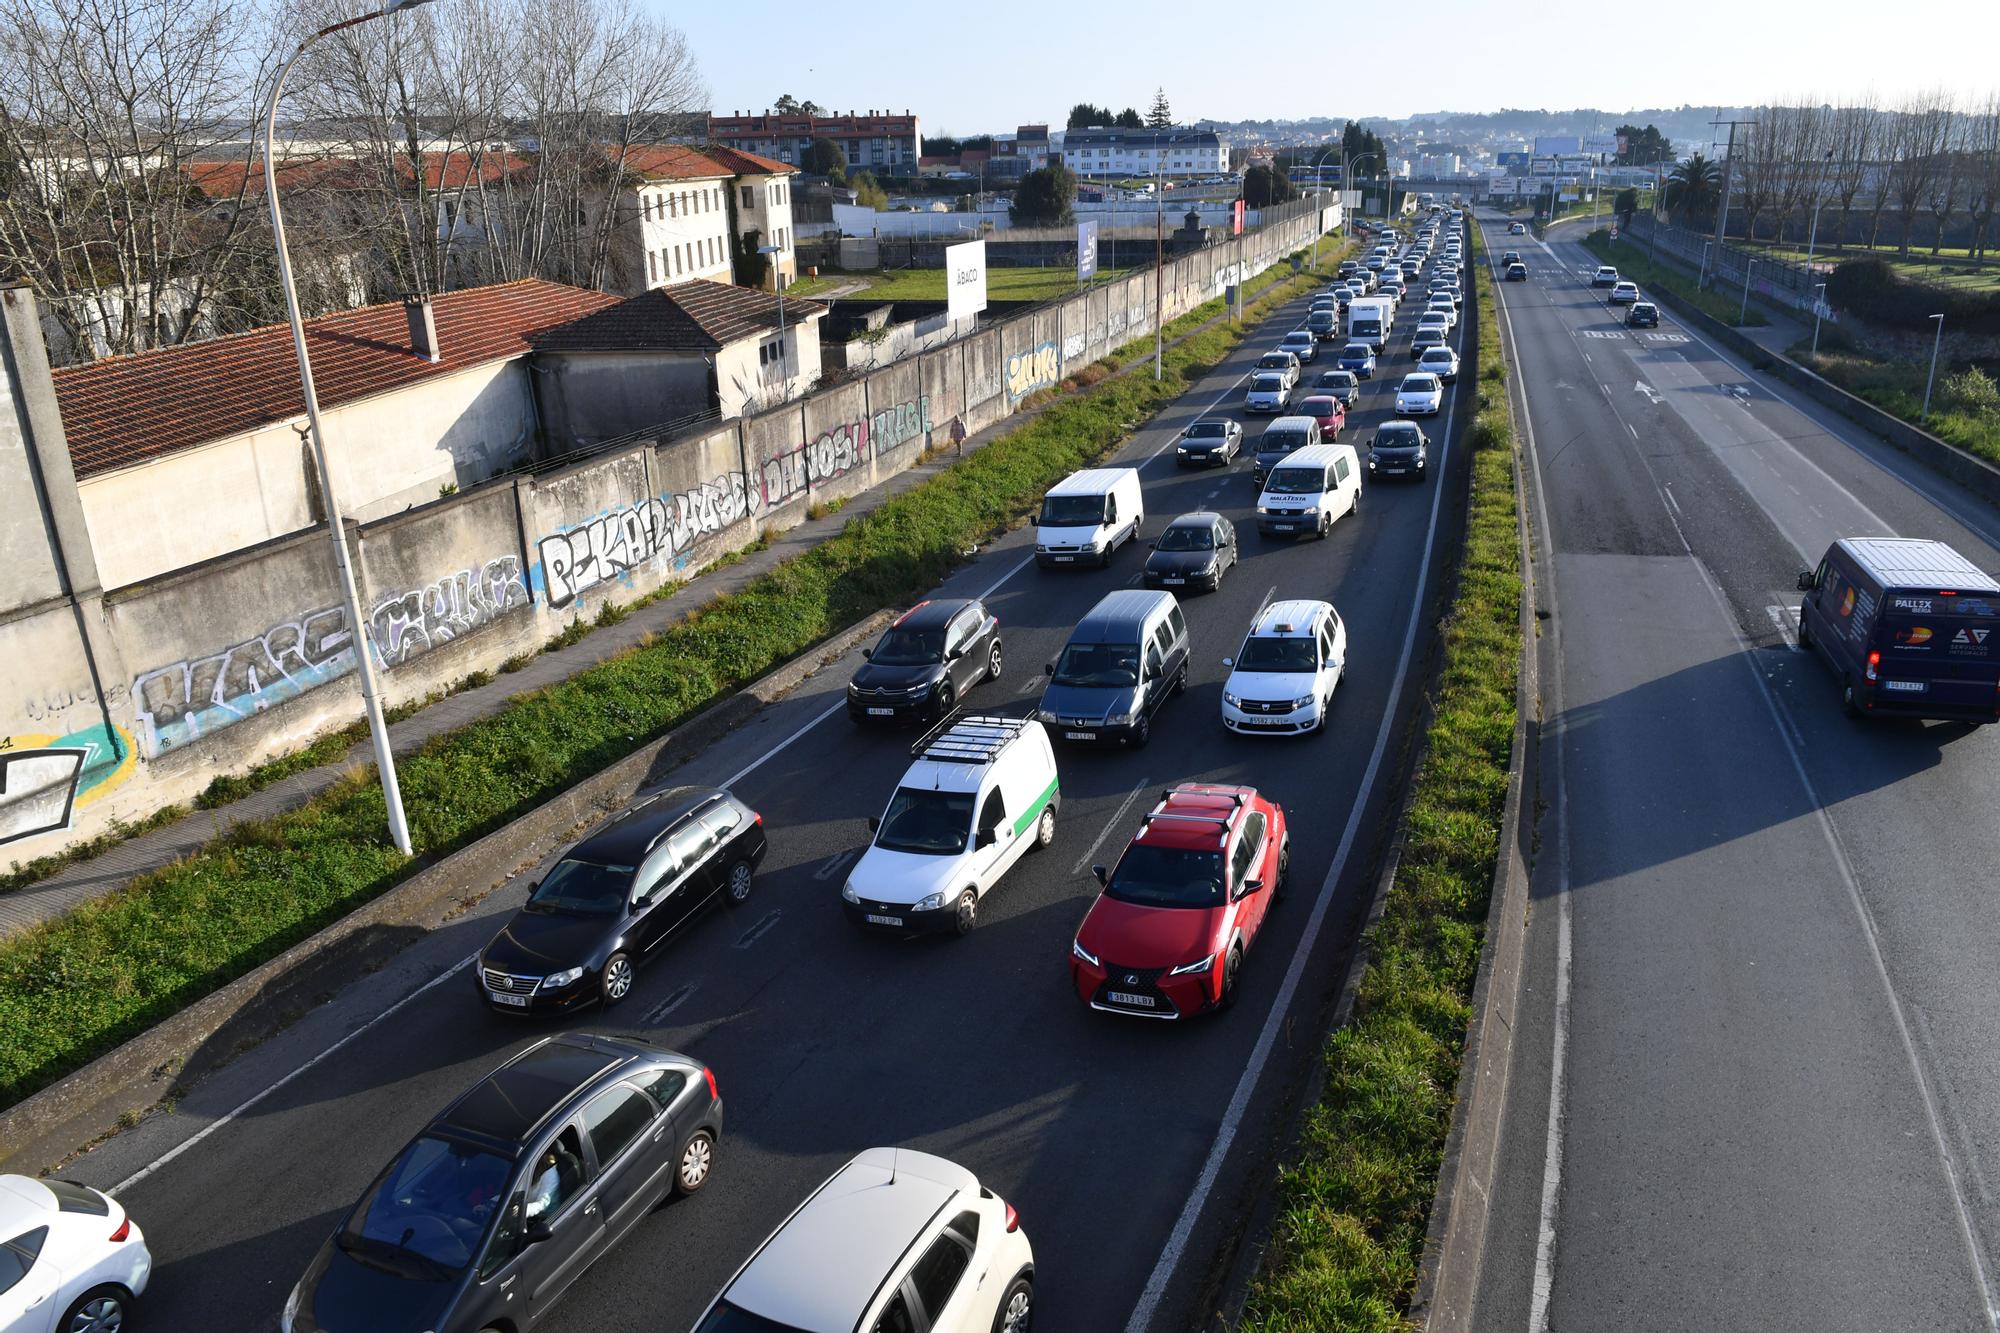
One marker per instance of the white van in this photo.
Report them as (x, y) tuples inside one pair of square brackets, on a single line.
[(982, 791), (1370, 321), (1306, 491), (1088, 515)]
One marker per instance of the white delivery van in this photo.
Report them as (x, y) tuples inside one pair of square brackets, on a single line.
[(1369, 320), (1306, 491), (1088, 515), (982, 791)]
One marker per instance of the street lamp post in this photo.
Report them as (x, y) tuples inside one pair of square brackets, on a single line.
[(1160, 257), (364, 661), (1819, 306), (1319, 188), (1744, 312), (1701, 280), (1936, 342), (1819, 199)]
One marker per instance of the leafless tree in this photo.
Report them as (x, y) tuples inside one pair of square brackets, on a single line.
[(1918, 142), (1947, 181), (1855, 137), (1982, 154), (1803, 130), (1758, 162)]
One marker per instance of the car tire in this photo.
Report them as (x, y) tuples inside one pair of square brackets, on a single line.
[(1232, 968), (1284, 870), (1805, 632), (737, 883), (695, 1164), (1180, 682), (1017, 1308), (965, 914), (1142, 731), (1045, 826), (105, 1307), (994, 661), (615, 983), (947, 698)]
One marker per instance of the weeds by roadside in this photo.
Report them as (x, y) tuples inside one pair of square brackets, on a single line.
[(1965, 406), (1632, 263)]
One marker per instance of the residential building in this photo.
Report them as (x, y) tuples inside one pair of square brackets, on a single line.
[(691, 206), (1168, 152), (1030, 143), (877, 141)]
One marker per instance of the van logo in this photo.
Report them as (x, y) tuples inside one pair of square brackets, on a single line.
[(1913, 637), (1847, 603), (1971, 637)]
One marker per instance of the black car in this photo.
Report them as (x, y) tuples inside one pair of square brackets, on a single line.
[(490, 1213), (932, 654), (1643, 315), (1399, 449), (1193, 551), (1517, 272), (615, 897), (1210, 442), (1342, 384)]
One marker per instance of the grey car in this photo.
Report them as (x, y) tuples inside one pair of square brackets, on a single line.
[(929, 657), (1193, 551), (1209, 442)]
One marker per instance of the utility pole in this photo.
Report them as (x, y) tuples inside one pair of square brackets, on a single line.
[(1728, 171)]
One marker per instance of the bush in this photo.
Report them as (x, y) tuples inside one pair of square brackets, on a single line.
[(1973, 390), (1873, 290)]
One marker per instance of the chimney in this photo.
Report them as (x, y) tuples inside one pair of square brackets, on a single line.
[(423, 328)]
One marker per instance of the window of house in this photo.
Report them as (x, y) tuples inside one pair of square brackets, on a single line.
[(652, 267), (677, 261), (749, 197)]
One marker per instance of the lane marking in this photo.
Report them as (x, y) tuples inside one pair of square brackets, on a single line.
[(833, 865), (679, 997), (760, 930), (1083, 862)]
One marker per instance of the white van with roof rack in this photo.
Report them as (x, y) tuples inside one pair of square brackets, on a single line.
[(981, 792)]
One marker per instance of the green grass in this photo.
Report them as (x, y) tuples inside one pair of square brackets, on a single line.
[(1355, 1202), (75, 987), (1898, 387), (1949, 267), (927, 284), (1632, 263)]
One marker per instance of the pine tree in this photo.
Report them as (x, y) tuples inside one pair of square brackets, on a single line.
[(1161, 117)]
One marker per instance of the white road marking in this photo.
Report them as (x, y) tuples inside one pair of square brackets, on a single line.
[(1784, 619), (760, 930), (833, 865), (230, 1117), (1083, 862), (1652, 394)]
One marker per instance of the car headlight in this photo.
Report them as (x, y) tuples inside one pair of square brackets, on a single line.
[(1077, 950), (1190, 969), (1045, 715), (567, 976), (1302, 701), (930, 902), (1041, 548), (1371, 465), (1232, 700), (291, 1309), (847, 892), (1120, 719), (1097, 543), (1208, 568)]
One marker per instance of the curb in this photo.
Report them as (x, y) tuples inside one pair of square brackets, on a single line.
[(160, 1062)]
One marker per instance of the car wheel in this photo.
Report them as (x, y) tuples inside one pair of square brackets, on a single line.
[(616, 982), (1180, 682), (967, 915), (1045, 827), (738, 884), (1805, 632), (697, 1160), (1142, 731), (1017, 1308), (1284, 869), (993, 661), (946, 698), (99, 1310), (1231, 966)]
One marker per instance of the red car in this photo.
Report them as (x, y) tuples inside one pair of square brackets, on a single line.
[(1328, 411), (1166, 937)]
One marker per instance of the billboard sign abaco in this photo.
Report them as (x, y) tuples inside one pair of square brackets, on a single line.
[(965, 279)]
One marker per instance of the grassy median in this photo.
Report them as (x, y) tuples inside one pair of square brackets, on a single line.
[(72, 989), (1355, 1201), (1632, 263)]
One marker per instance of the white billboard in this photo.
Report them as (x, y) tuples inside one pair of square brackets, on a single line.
[(1557, 145), (965, 279), (1543, 166), (1604, 145), (1086, 250)]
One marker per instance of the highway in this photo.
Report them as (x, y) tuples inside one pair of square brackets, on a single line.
[(1754, 1083), (1129, 1148)]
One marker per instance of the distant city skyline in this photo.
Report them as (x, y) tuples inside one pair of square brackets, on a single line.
[(973, 70)]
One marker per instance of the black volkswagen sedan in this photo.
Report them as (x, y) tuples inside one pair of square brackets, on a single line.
[(617, 896), (1193, 551), (490, 1213), (933, 653), (1210, 442)]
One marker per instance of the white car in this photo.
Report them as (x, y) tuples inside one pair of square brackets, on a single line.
[(1421, 394), (1625, 293), (1302, 344), (1269, 392), (1442, 305), (1281, 681), (1434, 319), (896, 1240), (1606, 276), (1439, 361), (70, 1258)]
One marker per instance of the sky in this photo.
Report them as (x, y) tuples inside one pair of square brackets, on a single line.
[(972, 68)]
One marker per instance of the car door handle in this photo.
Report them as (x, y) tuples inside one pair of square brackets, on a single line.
[(590, 1207)]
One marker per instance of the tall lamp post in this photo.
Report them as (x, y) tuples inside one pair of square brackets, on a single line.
[(1819, 199), (1744, 313), (1347, 172), (1819, 308), (1160, 256), (1936, 342), (1319, 189), (336, 527)]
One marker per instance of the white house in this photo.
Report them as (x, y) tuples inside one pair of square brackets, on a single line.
[(690, 205), (1169, 152)]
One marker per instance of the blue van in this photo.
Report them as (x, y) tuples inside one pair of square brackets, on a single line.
[(1124, 659), (1909, 626)]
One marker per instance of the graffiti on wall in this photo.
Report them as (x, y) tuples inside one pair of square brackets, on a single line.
[(417, 621), (840, 449), (614, 545), (1036, 368), (1073, 346), (44, 779), (177, 703)]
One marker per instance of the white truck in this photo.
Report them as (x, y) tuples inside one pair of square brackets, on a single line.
[(1369, 320)]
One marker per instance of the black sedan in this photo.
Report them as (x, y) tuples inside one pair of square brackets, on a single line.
[(1192, 552), (1643, 315), (931, 655), (1210, 442), (486, 1218), (617, 896), (1341, 384)]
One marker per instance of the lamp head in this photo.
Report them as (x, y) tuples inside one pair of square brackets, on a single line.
[(397, 6)]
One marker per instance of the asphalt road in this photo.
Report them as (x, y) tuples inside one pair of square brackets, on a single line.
[(1754, 1083), (1100, 1131)]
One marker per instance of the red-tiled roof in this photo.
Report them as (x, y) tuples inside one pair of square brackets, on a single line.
[(681, 162), (224, 180), (698, 316), (125, 409), (748, 164)]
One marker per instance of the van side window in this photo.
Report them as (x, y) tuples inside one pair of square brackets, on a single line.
[(994, 813), (1110, 509), (1340, 469), (1175, 622)]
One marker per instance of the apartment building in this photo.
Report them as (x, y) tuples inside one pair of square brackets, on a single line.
[(1120, 152), (878, 141), (691, 204)]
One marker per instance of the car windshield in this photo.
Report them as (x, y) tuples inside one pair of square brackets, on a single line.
[(1437, 356), (910, 647), (1296, 481), (1292, 655), (428, 1213), (1188, 537), (1357, 352), (1319, 407), (1070, 511), (1337, 379), (1419, 384), (1169, 877), (582, 888), (1300, 339), (926, 823), (1098, 666), (1267, 383), (1397, 435), (1208, 430)]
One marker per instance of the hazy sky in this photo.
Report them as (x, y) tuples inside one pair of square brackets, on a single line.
[(966, 68)]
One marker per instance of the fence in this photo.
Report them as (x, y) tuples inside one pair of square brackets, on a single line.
[(1727, 266)]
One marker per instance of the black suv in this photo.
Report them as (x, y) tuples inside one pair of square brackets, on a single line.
[(617, 896), (1642, 315), (490, 1213), (934, 652)]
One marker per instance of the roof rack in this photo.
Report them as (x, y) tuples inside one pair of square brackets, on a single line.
[(972, 739)]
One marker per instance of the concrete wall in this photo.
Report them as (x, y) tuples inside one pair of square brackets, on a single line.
[(126, 701), (593, 396)]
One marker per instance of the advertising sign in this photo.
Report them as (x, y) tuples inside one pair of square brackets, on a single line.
[(1543, 166), (1606, 145), (965, 279), (1236, 218), (1086, 251), (1511, 159), (1557, 145)]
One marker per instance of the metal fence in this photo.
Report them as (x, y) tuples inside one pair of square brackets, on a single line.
[(1727, 266)]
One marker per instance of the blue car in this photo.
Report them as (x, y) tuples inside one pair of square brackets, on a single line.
[(1359, 358)]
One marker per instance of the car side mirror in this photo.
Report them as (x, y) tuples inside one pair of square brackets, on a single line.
[(1252, 885), (987, 837), (1103, 875), (1229, 661), (874, 824), (538, 1231), (1806, 581), (1048, 668), (867, 653), (955, 653)]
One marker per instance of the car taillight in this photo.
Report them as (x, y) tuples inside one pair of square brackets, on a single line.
[(1013, 1218), (1874, 660), (124, 1228), (709, 1074)]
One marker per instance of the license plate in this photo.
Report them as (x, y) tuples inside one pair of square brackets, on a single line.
[(1079, 735), (1173, 580), (1908, 686), (881, 712), (1120, 997), (1064, 559), (879, 920), (517, 1001), (1283, 527)]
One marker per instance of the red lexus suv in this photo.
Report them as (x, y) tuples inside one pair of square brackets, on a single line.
[(1166, 937)]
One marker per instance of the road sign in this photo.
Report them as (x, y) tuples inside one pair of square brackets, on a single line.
[(1298, 263), (1614, 232)]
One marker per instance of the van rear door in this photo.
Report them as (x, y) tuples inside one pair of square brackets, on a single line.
[(1939, 650)]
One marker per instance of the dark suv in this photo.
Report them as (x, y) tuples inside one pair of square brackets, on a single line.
[(934, 652), (618, 895), (490, 1213)]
